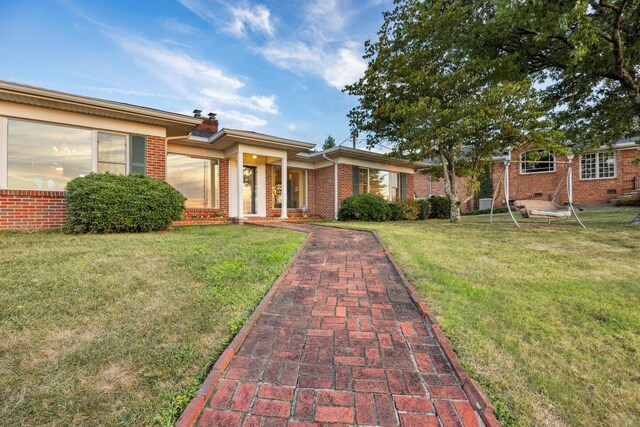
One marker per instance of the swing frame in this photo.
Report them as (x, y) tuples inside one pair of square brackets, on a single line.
[(504, 180)]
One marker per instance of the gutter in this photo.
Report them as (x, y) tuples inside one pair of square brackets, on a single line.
[(335, 186)]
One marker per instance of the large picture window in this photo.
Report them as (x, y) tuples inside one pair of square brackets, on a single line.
[(296, 188), (598, 165), (42, 156), (380, 183), (537, 161), (197, 180)]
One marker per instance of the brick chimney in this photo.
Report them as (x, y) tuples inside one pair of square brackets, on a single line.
[(209, 124)]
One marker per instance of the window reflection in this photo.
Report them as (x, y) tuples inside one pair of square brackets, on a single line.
[(41, 156), (197, 179), (296, 188)]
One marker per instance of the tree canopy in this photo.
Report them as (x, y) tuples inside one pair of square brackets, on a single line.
[(329, 142), (426, 96)]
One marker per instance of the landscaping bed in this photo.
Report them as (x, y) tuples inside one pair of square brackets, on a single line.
[(121, 329)]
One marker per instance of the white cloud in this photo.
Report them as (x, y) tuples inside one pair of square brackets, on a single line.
[(192, 78), (236, 119), (256, 18)]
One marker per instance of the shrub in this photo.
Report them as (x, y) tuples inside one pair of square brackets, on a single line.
[(107, 203), (627, 201), (364, 207), (440, 207), (395, 211), (410, 210), (424, 207)]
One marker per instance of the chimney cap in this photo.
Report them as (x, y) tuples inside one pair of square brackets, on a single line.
[(212, 116), (197, 113)]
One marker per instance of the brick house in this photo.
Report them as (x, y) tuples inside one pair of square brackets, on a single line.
[(48, 138), (599, 176)]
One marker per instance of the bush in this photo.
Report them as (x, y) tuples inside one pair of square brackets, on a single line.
[(364, 207), (627, 201), (410, 210), (395, 211), (440, 207), (107, 203), (424, 209)]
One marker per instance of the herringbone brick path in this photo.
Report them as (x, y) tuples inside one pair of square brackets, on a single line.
[(341, 343)]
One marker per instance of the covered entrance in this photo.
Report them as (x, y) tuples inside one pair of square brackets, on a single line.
[(249, 190)]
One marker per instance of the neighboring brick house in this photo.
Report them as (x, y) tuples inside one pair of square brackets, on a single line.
[(48, 138), (599, 176)]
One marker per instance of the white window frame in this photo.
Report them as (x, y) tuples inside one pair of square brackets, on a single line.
[(4, 147), (522, 163), (306, 185), (94, 142), (368, 190), (597, 155)]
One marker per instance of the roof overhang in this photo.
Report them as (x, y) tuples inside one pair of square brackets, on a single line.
[(356, 153), (176, 124), (226, 138)]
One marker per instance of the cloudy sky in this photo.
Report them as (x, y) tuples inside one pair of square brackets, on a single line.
[(276, 67)]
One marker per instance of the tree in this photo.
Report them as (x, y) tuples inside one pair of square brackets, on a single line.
[(423, 95), (330, 142), (587, 52)]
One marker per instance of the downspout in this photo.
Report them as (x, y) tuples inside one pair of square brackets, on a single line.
[(335, 186)]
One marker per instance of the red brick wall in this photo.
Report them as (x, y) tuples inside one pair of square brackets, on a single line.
[(156, 157), (321, 192), (345, 183), (421, 185), (32, 209), (410, 190), (591, 191)]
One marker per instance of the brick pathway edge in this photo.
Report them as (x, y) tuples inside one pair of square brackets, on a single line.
[(196, 405), (471, 388)]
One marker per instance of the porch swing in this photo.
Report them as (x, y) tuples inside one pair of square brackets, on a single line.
[(538, 209)]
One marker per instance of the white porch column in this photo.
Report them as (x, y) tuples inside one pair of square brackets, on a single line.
[(240, 195), (283, 209)]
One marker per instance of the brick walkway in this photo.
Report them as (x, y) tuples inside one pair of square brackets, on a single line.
[(340, 342)]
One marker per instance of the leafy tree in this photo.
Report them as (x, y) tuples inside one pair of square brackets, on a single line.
[(330, 142), (587, 53), (423, 95)]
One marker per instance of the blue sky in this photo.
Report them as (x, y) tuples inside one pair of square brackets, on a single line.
[(270, 66)]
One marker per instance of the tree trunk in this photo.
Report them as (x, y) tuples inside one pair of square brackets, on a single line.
[(450, 188), (636, 220)]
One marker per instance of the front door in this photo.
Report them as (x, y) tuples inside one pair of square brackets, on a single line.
[(249, 190)]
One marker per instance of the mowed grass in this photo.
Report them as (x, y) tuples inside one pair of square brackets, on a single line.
[(547, 320), (120, 329)]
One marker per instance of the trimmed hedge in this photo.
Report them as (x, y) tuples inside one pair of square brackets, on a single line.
[(410, 210), (364, 207), (440, 207), (424, 209), (107, 203), (395, 211), (627, 201)]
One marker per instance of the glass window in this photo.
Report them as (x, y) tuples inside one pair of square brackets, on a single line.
[(394, 186), (537, 161), (379, 183), (598, 165), (112, 153), (197, 180), (296, 188), (42, 156), (363, 181)]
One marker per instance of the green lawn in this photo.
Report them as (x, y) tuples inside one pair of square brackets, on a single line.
[(547, 320), (120, 329)]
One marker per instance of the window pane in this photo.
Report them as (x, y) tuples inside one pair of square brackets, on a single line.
[(394, 186), (537, 161), (363, 181), (379, 183), (588, 166), (606, 165), (112, 153), (195, 178), (44, 156), (296, 188)]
